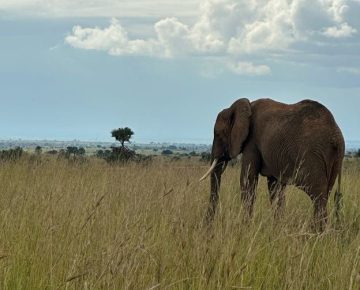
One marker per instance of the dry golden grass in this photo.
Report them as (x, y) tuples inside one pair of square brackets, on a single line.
[(96, 226)]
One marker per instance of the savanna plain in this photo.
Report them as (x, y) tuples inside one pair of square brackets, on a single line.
[(93, 225)]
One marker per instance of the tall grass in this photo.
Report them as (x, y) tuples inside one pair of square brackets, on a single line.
[(94, 226)]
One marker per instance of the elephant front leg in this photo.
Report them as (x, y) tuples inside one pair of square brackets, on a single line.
[(277, 195), (248, 183)]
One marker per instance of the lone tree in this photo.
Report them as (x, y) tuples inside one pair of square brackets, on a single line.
[(122, 135)]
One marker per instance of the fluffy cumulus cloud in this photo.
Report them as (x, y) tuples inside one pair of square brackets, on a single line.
[(248, 68), (234, 29), (344, 30), (113, 39)]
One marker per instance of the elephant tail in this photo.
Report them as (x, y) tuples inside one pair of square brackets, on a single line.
[(338, 197)]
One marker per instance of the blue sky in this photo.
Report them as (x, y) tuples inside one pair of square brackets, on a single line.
[(69, 71)]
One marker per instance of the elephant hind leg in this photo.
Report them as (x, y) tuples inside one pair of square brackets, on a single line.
[(277, 195), (320, 196), (320, 213), (336, 173)]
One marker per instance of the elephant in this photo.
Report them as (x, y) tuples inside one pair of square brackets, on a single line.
[(299, 144)]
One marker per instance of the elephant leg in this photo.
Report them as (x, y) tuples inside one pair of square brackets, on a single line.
[(320, 213), (248, 192), (319, 196), (248, 181), (277, 195)]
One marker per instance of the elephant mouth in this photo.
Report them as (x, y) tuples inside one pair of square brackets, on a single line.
[(226, 158), (223, 158)]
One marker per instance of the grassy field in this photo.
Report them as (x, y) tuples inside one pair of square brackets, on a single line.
[(95, 226)]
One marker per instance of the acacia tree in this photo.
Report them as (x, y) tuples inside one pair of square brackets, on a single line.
[(122, 135)]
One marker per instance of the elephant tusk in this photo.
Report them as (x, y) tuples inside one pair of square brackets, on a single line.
[(213, 165)]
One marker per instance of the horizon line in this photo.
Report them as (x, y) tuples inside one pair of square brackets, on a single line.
[(190, 141)]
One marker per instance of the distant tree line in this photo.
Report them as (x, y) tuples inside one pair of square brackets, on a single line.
[(74, 151), (11, 154), (122, 153)]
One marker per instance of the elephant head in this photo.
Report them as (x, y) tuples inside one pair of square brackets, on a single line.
[(230, 132)]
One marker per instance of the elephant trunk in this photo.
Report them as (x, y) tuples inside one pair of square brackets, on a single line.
[(215, 181)]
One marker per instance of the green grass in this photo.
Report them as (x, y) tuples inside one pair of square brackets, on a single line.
[(95, 226)]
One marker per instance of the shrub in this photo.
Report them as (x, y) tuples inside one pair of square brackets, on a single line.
[(11, 154), (166, 152), (38, 150), (120, 154)]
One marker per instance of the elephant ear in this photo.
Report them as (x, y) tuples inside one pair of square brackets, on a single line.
[(241, 113)]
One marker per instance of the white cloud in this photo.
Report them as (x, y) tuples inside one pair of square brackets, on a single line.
[(248, 68), (113, 39), (337, 9), (233, 29), (344, 30), (173, 37)]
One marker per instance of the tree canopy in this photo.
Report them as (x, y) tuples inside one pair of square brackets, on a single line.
[(122, 135)]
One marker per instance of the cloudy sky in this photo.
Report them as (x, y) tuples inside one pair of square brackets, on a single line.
[(76, 69)]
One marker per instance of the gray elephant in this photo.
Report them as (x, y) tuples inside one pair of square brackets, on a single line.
[(299, 144)]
